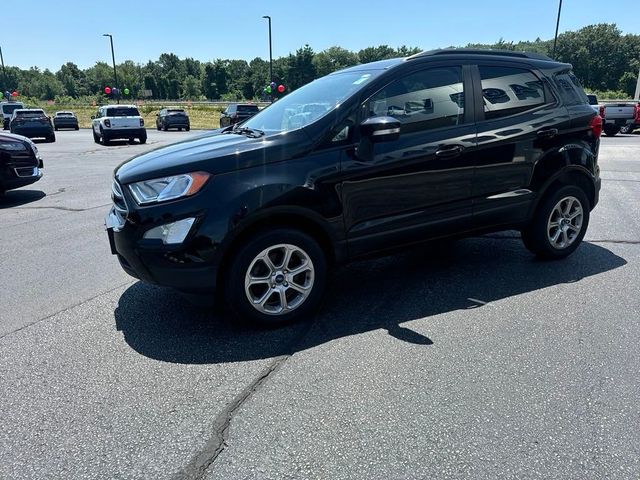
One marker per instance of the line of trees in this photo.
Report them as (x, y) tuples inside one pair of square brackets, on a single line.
[(603, 58)]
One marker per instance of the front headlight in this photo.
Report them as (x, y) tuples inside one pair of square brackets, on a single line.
[(168, 188), (13, 146)]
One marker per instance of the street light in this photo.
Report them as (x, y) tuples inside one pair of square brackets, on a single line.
[(113, 57), (270, 51), (555, 40), (4, 72)]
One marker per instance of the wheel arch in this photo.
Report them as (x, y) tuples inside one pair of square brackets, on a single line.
[(297, 218), (571, 164)]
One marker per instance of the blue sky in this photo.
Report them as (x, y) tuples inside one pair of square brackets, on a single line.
[(56, 31)]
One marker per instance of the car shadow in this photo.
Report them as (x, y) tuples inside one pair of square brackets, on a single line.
[(17, 198), (364, 296)]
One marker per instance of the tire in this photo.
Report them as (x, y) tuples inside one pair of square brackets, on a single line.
[(568, 206), (51, 138), (55, 128), (165, 128), (187, 129), (611, 131), (627, 129), (143, 138), (103, 139), (96, 138), (76, 128), (303, 250), (158, 126)]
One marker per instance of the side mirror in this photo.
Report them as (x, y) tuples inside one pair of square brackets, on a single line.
[(93, 117), (381, 129)]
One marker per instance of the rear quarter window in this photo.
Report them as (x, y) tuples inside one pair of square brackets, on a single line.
[(570, 89)]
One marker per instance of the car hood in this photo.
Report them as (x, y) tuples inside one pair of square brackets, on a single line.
[(214, 152)]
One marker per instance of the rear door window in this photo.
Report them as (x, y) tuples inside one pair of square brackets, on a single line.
[(508, 91)]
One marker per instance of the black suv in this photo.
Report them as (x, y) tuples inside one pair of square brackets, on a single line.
[(173, 117), (362, 161), (236, 113), (20, 164)]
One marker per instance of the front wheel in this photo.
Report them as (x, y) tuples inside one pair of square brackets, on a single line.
[(96, 137), (559, 224), (276, 278)]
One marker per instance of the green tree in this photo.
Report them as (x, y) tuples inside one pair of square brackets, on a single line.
[(301, 69), (332, 59)]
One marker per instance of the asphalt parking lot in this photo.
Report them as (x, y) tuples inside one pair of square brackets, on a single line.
[(468, 360)]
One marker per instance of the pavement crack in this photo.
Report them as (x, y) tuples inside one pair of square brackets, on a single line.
[(198, 466), (200, 463), (66, 209)]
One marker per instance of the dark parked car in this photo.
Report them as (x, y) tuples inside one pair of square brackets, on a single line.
[(173, 118), (65, 120), (20, 163), (32, 123), (326, 175), (236, 113)]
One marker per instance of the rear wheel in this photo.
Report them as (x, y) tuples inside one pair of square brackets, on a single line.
[(559, 224), (626, 129), (187, 128), (611, 131), (103, 139), (143, 138), (51, 138), (76, 127), (276, 277)]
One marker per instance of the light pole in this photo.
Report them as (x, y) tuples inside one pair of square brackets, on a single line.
[(637, 95), (113, 57), (4, 72), (270, 51), (555, 40)]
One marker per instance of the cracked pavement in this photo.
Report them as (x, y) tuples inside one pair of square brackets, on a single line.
[(466, 360)]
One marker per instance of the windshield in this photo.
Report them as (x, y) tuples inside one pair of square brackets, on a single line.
[(11, 107), (311, 102), (122, 112)]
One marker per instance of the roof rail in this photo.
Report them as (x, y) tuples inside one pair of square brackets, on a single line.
[(481, 51)]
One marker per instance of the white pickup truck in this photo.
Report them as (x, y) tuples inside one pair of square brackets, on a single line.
[(618, 116), (118, 122)]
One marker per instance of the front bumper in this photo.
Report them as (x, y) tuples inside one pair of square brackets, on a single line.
[(188, 267), (16, 177)]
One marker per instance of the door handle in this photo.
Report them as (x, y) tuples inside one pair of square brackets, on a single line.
[(449, 151), (547, 133)]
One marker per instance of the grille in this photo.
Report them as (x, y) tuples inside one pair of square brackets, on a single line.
[(27, 171)]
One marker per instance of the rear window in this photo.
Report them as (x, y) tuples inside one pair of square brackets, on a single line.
[(593, 100), (122, 112), (175, 110), (64, 114), (248, 108), (9, 108), (30, 113)]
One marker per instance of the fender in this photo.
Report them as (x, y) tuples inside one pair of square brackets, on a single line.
[(574, 159)]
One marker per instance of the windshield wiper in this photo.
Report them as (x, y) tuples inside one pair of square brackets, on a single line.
[(249, 132)]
